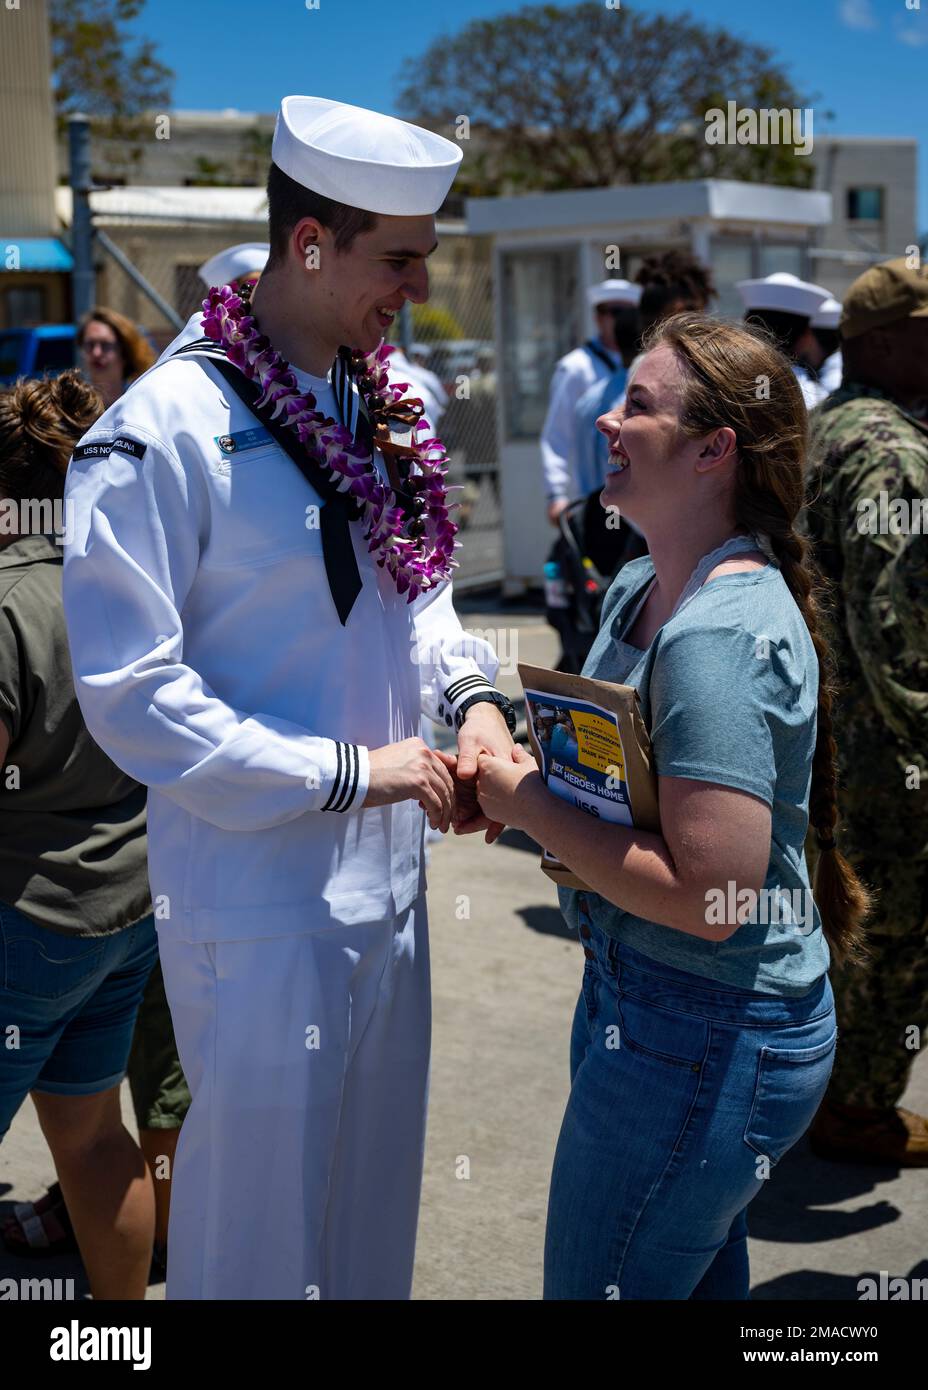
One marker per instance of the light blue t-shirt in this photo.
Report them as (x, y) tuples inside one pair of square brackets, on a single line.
[(729, 693)]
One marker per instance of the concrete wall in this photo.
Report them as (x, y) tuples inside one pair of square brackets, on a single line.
[(183, 147), (843, 164), (28, 163)]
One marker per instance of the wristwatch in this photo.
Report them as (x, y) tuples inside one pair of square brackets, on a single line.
[(506, 708)]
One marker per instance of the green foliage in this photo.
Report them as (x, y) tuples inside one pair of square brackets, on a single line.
[(583, 96), (256, 154), (98, 68), (209, 173)]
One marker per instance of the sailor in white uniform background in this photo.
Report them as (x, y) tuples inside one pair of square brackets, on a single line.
[(575, 373), (425, 385), (235, 265), (825, 327), (785, 305), (274, 717)]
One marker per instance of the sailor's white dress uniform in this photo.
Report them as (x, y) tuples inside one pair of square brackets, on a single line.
[(832, 369), (812, 391), (574, 374), (787, 294), (210, 664)]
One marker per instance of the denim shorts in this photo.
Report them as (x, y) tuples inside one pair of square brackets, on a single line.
[(685, 1094), (68, 1003)]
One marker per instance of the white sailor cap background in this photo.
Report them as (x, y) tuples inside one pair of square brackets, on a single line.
[(782, 292), (613, 292), (828, 314), (234, 262), (363, 158)]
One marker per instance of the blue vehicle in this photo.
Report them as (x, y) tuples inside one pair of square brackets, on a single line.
[(33, 352)]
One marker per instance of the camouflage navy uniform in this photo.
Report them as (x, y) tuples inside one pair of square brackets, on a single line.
[(865, 445)]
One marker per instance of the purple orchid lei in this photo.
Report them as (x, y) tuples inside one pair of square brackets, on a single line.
[(417, 547)]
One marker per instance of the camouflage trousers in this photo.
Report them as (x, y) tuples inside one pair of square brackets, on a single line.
[(882, 1007)]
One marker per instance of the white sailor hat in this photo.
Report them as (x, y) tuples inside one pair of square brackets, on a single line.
[(363, 158), (613, 292), (234, 262), (828, 315), (783, 292)]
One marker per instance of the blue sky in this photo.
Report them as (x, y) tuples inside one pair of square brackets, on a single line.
[(864, 60)]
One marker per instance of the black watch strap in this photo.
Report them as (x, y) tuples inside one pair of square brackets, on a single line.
[(495, 697)]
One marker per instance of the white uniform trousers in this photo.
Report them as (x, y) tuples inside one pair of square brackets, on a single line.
[(299, 1164)]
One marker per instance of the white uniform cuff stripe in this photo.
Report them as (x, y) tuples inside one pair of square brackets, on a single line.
[(460, 689), (347, 769)]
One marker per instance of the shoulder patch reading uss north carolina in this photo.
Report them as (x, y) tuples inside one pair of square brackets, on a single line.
[(99, 448)]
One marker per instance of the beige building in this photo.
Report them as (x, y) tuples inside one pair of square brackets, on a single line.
[(872, 182), (34, 286), (183, 149)]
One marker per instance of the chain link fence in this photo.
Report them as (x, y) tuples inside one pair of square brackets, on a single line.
[(450, 336)]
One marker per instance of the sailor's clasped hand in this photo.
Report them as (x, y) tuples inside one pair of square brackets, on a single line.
[(444, 784), (412, 771)]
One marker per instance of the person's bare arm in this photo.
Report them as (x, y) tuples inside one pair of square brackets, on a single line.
[(710, 836)]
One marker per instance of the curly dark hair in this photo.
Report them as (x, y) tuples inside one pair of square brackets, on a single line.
[(40, 423), (669, 278)]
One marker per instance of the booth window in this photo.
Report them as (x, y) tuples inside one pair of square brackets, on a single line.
[(732, 260), (539, 324), (777, 258)]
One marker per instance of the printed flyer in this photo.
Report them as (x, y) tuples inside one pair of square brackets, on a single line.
[(592, 749)]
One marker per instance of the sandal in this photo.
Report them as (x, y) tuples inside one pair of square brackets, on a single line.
[(26, 1234)]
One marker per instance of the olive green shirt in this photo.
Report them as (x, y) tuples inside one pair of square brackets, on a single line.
[(73, 852)]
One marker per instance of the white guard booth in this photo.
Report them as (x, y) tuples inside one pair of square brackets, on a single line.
[(548, 247)]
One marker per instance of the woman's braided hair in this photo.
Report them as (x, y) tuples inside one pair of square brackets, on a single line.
[(734, 375)]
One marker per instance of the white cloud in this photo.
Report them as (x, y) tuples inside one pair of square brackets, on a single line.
[(913, 31), (857, 14)]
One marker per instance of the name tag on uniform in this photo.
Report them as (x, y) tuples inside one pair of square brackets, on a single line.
[(244, 440)]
